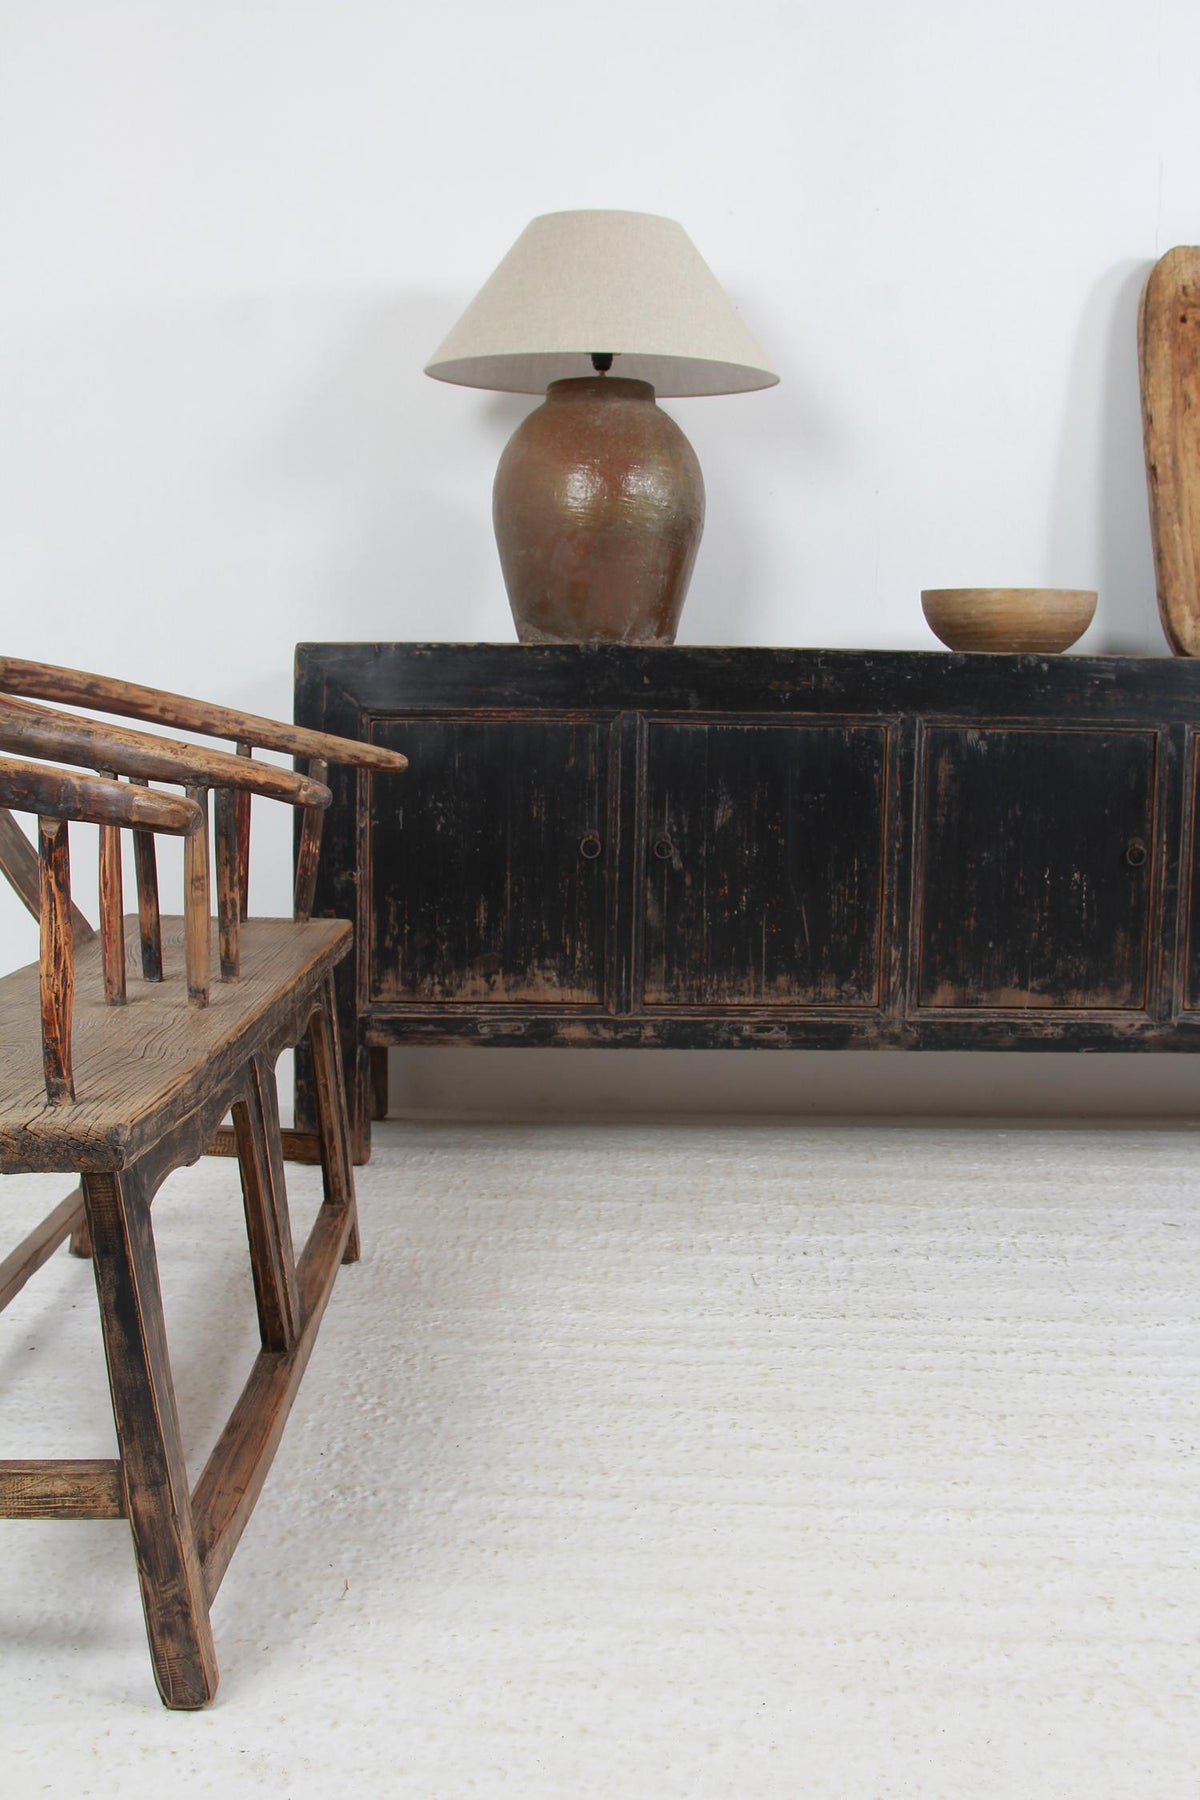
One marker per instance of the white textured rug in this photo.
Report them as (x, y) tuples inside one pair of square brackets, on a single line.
[(704, 1460)]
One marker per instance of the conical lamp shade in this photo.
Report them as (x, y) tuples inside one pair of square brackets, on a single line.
[(630, 285)]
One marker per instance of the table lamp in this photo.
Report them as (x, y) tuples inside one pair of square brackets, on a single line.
[(598, 502)]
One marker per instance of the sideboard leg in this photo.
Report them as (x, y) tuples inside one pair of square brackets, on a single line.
[(356, 1062), (379, 1083)]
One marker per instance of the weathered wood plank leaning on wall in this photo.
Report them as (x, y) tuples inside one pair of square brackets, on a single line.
[(1169, 364)]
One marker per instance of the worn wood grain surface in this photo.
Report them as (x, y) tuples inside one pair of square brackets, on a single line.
[(1169, 365), (47, 681), (19, 863), (56, 963), (55, 793), (132, 1081), (614, 846), (764, 872), (1037, 867), (63, 1489), (41, 731), (502, 900), (138, 1068), (112, 912)]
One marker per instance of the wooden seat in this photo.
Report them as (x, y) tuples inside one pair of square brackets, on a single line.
[(137, 1067), (119, 1058)]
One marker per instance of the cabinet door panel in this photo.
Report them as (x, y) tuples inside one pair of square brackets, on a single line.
[(1036, 868), (764, 864), (489, 877), (1190, 886)]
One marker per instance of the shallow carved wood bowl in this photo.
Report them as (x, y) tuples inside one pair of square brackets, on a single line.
[(1043, 620)]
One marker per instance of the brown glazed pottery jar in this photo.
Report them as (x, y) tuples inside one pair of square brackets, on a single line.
[(598, 509)]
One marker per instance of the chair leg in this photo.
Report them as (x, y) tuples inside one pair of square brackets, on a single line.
[(333, 1125), (152, 1461), (264, 1192)]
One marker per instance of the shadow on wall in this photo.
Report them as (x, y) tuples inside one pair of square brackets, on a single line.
[(1102, 473), (759, 453)]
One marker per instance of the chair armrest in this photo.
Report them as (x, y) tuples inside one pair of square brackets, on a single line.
[(57, 797), (65, 737), (52, 794), (46, 681)]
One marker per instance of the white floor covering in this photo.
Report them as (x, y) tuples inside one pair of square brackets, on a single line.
[(717, 1459)]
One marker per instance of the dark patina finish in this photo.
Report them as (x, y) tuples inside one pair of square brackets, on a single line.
[(796, 848)]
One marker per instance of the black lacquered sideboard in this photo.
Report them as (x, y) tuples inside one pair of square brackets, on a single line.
[(759, 848)]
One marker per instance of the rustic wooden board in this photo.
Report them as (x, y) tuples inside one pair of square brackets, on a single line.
[(141, 1067), (1169, 363), (91, 1489)]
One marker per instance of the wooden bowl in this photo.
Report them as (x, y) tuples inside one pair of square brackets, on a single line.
[(1044, 620)]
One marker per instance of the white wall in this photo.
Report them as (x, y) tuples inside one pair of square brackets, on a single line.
[(233, 232)]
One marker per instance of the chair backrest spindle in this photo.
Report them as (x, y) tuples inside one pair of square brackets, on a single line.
[(56, 959), (41, 730), (56, 796), (243, 837), (229, 899), (309, 853), (145, 862), (196, 902), (112, 911), (19, 866)]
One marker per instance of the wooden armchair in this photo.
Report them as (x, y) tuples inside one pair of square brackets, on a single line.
[(118, 1081)]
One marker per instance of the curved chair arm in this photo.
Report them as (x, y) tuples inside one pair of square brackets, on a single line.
[(52, 794), (76, 687), (66, 737), (56, 798), (144, 756)]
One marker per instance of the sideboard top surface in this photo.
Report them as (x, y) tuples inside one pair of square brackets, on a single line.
[(391, 678)]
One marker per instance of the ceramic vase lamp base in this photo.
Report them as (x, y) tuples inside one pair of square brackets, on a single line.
[(598, 508)]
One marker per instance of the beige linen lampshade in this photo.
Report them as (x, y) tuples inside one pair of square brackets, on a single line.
[(599, 502), (627, 284)]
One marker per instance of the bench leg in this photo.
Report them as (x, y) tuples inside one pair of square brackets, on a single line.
[(264, 1191), (152, 1461), (333, 1127)]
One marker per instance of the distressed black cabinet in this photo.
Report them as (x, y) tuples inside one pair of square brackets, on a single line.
[(818, 849), (505, 896), (1036, 873), (764, 876)]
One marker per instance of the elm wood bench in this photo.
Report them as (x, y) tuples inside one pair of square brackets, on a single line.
[(123, 1081)]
